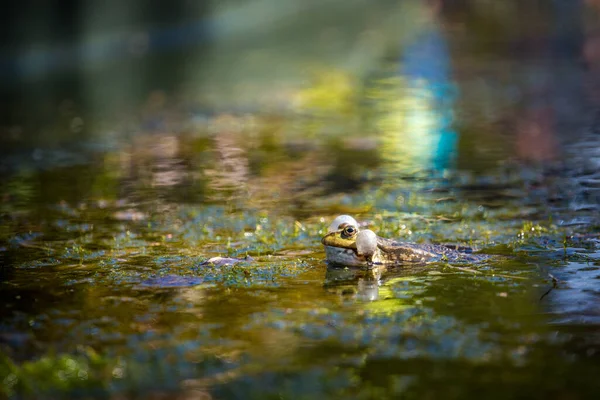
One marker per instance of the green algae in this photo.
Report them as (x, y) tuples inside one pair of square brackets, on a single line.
[(108, 289), (114, 283)]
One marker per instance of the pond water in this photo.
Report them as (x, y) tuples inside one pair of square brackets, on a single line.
[(127, 171)]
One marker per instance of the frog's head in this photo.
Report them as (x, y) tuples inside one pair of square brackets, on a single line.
[(347, 245)]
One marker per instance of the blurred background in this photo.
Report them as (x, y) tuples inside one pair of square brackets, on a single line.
[(407, 85)]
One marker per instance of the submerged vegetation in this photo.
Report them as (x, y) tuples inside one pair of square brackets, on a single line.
[(171, 247), (116, 296)]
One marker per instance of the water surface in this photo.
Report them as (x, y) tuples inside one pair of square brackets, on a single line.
[(116, 193)]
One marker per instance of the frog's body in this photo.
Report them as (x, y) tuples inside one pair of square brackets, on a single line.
[(346, 245)]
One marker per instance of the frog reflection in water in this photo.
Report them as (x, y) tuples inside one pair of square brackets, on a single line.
[(364, 284), (347, 245)]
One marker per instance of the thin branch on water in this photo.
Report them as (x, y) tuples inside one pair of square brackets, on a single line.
[(470, 270), (554, 285)]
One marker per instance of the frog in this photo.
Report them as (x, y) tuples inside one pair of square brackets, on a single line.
[(346, 244)]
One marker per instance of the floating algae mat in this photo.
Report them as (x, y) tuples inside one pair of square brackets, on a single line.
[(169, 246)]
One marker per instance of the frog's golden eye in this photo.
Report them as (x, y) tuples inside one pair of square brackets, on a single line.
[(349, 231)]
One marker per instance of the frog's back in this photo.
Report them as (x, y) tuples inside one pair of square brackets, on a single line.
[(395, 251)]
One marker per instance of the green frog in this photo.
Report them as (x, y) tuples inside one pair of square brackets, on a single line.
[(347, 245)]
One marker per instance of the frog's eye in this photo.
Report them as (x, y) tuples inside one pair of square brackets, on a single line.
[(349, 231), (341, 221)]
